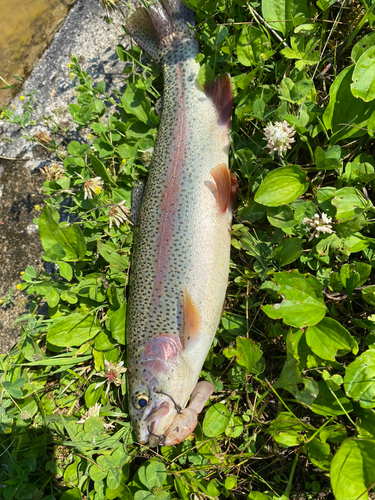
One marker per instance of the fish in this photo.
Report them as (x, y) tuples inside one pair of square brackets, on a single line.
[(180, 264)]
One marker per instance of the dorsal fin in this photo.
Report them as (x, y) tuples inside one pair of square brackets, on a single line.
[(220, 92)]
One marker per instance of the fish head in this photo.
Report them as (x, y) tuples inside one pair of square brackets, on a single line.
[(161, 388), (152, 414)]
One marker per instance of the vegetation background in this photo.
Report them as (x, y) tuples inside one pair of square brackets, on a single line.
[(293, 362)]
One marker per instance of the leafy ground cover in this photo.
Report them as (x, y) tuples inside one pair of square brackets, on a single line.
[(293, 363)]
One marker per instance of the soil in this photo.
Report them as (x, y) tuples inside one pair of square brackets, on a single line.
[(26, 30)]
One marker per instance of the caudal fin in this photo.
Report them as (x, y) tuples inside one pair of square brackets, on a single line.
[(161, 27)]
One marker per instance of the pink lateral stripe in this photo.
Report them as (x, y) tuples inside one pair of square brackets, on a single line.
[(170, 195)]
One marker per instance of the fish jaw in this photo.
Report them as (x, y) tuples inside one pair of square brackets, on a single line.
[(152, 424)]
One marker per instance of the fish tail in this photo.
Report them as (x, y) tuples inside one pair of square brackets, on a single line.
[(161, 28)]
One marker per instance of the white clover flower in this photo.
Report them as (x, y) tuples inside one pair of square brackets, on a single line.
[(118, 214), (112, 374), (94, 411), (92, 187), (147, 156), (319, 224), (54, 172), (279, 136)]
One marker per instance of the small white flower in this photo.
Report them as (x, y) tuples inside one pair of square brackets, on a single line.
[(279, 136), (118, 214), (319, 224), (93, 411), (147, 156), (92, 187), (112, 374)]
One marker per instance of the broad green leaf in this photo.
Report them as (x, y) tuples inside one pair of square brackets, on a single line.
[(319, 454), (359, 380), (81, 115), (77, 149), (288, 251), (295, 92), (279, 13), (71, 494), (363, 85), (368, 295), (144, 495), (346, 116), (136, 103), (371, 125), (73, 330), (350, 203), (117, 324), (70, 238), (354, 275), (247, 353), (65, 270), (251, 43), (365, 423), (330, 403), (353, 469), (327, 337), (362, 45), (97, 473), (303, 303), (252, 212), (15, 389), (113, 478), (324, 161), (156, 474), (287, 430), (205, 74), (231, 482), (281, 217), (216, 420), (100, 170), (235, 427), (302, 49), (282, 186), (93, 394), (103, 342), (110, 254), (291, 379), (234, 324), (256, 495)]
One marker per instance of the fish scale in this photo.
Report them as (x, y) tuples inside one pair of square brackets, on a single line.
[(181, 259)]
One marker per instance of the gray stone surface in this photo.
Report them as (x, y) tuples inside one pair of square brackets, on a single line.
[(93, 41)]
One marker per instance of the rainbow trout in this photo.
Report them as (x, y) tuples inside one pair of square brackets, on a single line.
[(181, 260)]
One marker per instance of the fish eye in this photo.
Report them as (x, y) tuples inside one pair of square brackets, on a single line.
[(140, 400)]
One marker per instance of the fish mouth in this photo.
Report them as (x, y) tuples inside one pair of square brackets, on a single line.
[(158, 420)]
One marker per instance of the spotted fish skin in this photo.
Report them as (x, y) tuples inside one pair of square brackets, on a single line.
[(180, 265)]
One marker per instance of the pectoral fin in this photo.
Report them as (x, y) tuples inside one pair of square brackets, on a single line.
[(222, 179), (192, 321)]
